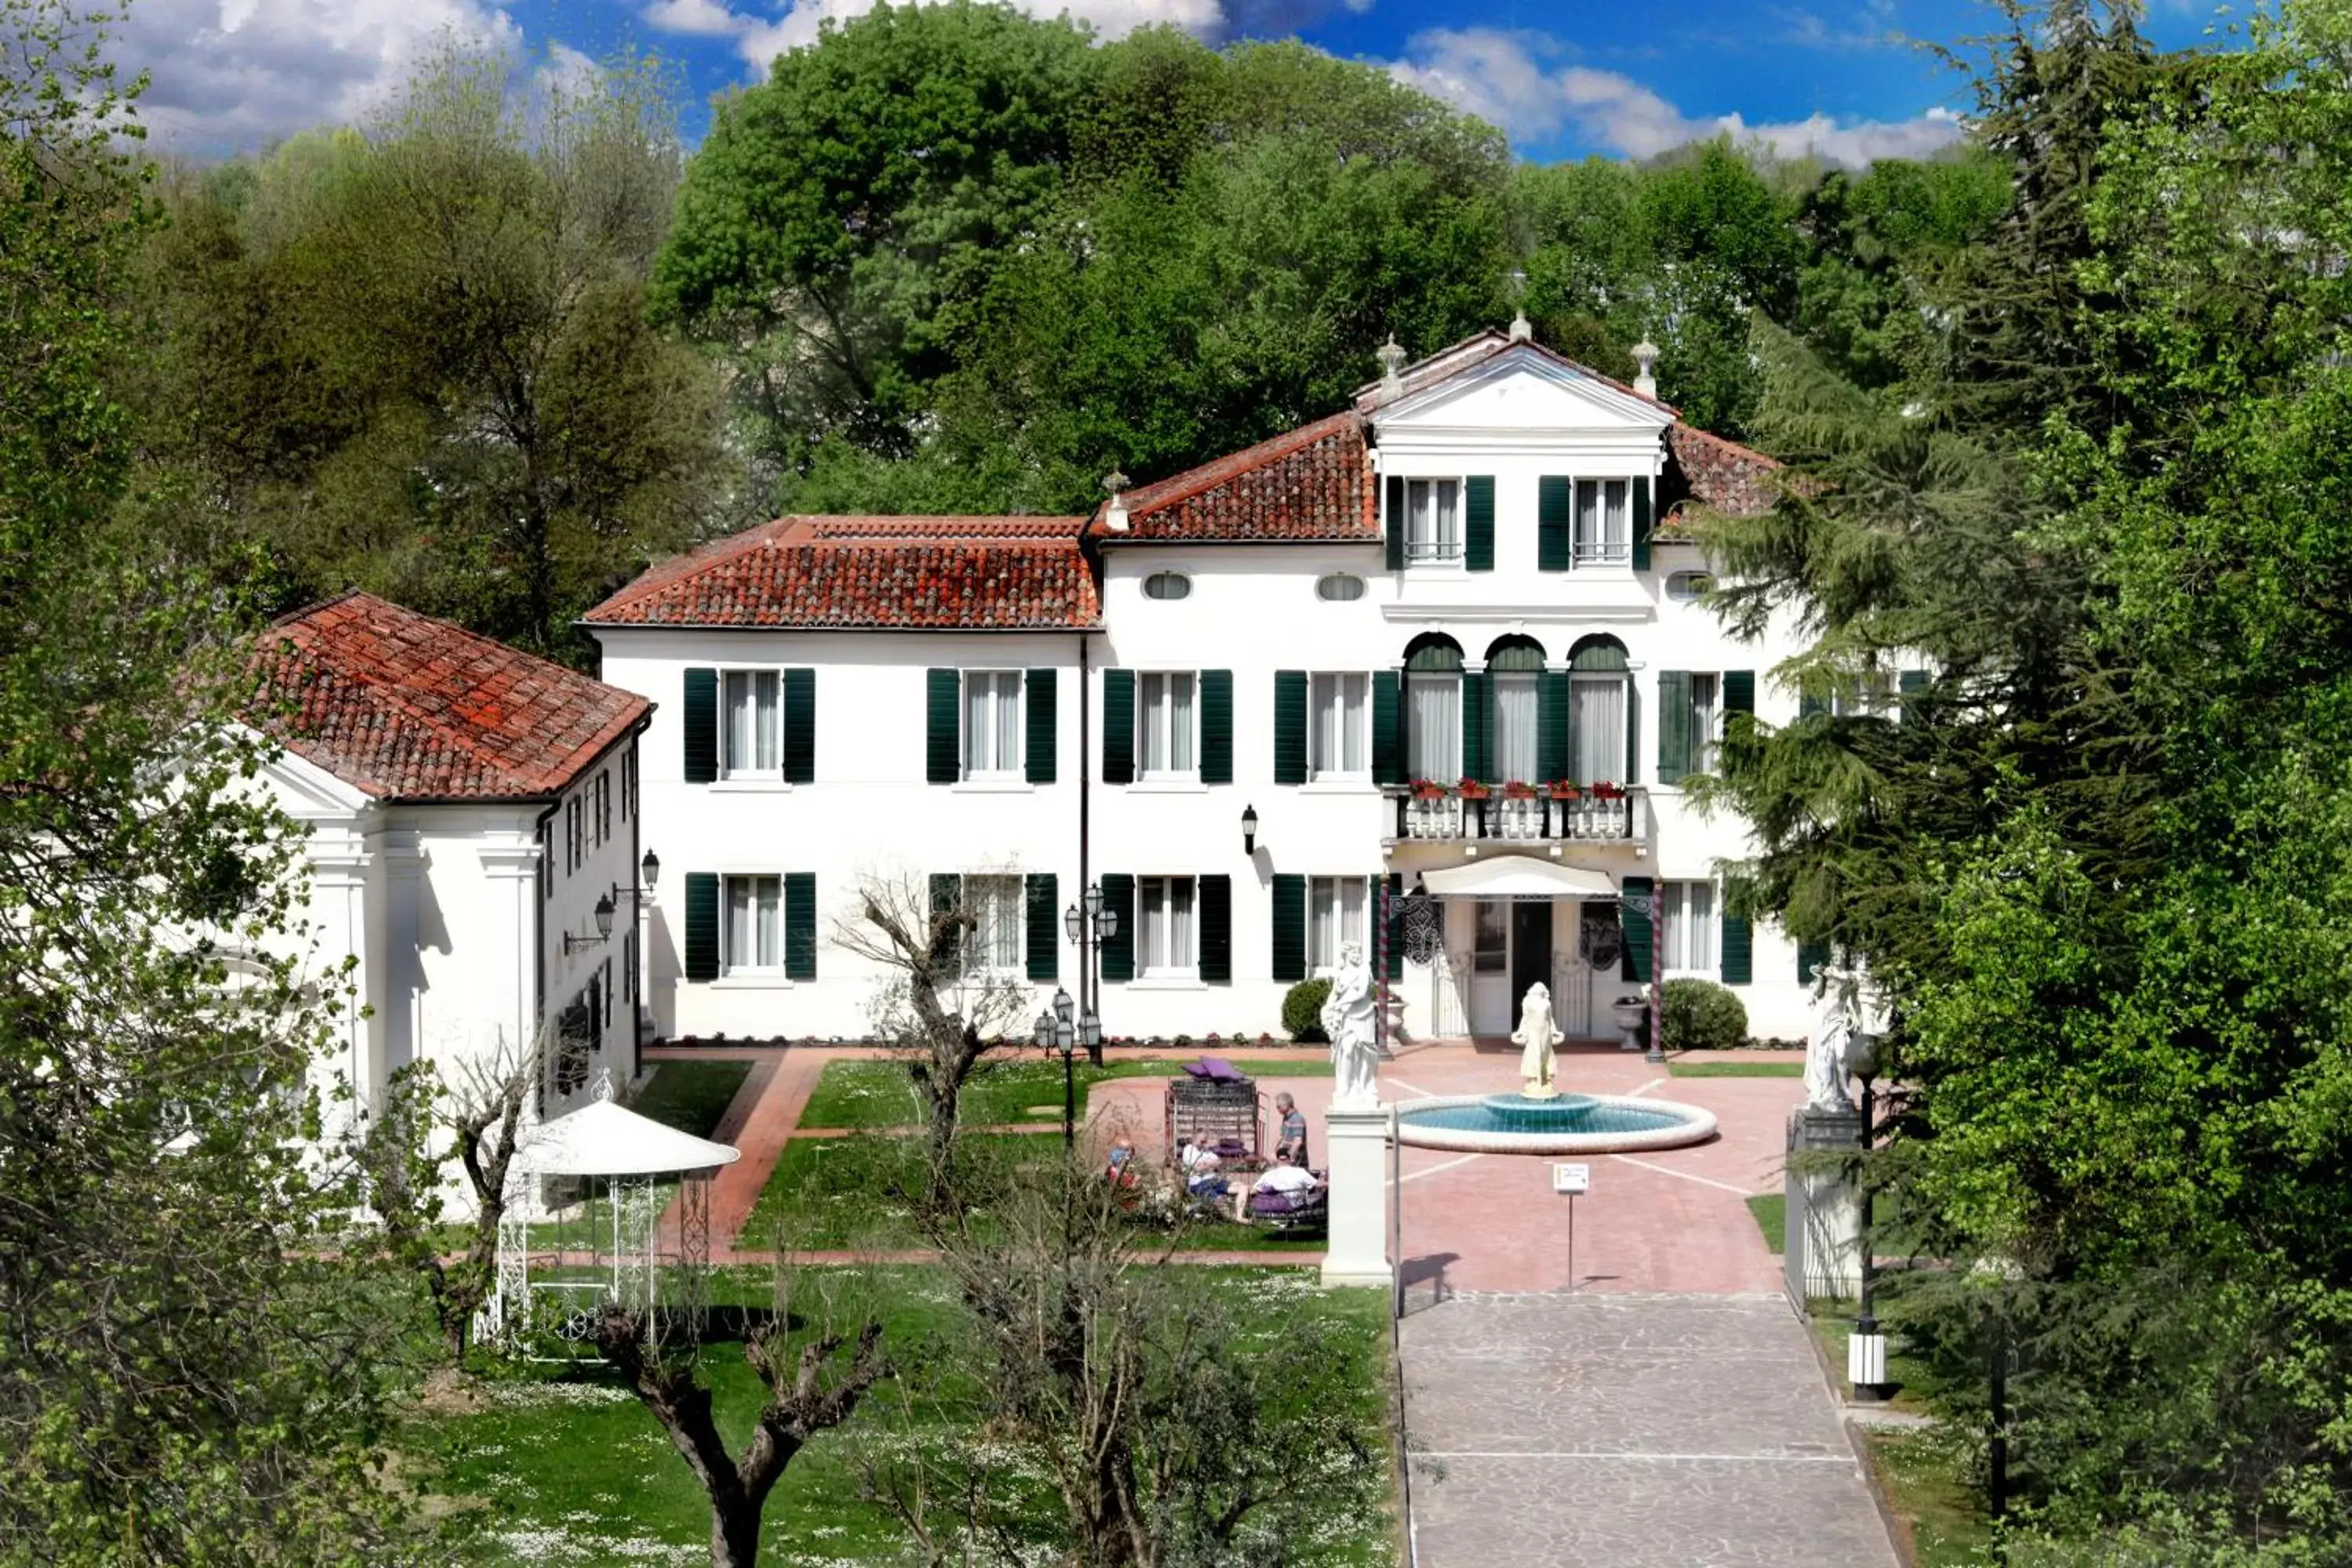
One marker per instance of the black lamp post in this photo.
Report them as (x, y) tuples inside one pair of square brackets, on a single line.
[(1064, 1028), (1090, 923), (1865, 1355), (1249, 830)]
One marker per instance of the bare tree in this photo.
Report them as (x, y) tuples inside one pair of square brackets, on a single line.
[(939, 1011), (404, 1164), (814, 1385)]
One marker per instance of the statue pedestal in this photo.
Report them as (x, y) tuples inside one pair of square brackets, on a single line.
[(1356, 1142), (1822, 1252)]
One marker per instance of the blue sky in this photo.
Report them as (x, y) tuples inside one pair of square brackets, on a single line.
[(1841, 78)]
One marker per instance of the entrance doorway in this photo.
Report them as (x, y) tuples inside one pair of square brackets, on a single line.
[(1530, 951), (1510, 950)]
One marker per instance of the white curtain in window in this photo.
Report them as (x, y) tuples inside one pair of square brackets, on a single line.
[(754, 935), (1336, 728), (1164, 942), (1515, 727), (1179, 723), (1435, 727), (753, 722), (1323, 922), (1599, 716), (979, 727), (1166, 741), (1698, 944), (996, 913)]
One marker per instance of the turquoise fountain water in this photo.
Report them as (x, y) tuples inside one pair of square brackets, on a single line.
[(1565, 1124)]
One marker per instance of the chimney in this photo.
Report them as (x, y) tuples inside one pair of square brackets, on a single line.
[(1115, 518), (1392, 357), (1645, 355)]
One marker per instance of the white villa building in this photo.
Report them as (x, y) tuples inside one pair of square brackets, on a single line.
[(470, 808), (1258, 704)]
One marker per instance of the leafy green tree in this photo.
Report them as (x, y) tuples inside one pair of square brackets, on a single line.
[(183, 1377)]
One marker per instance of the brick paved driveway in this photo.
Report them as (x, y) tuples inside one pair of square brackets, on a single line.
[(1628, 1431)]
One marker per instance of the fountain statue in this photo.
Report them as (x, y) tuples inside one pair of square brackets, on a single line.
[(1833, 1022), (1536, 1037), (1347, 1020)]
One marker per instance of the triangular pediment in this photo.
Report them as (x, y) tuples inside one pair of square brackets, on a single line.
[(1523, 388)]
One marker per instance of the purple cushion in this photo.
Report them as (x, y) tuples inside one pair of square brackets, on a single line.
[(1216, 1069)]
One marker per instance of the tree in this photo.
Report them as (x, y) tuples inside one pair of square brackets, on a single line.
[(940, 1011), (813, 1387), (185, 1375)]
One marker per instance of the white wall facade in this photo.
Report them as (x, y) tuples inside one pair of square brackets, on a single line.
[(1253, 609)]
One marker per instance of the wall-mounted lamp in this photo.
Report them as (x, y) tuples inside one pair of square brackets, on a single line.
[(1249, 830), (572, 945)]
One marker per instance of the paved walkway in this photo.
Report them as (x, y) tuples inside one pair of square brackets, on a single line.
[(1628, 1431)]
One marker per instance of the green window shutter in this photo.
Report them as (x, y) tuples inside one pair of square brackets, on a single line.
[(1217, 929), (1554, 755), (1474, 725), (1739, 692), (1675, 725), (1118, 948), (1290, 726), (800, 925), (1633, 732), (701, 727), (701, 925), (1810, 956), (1555, 512), (1737, 946), (944, 761), (1043, 739), (947, 896), (1119, 727), (1388, 748), (800, 726), (1289, 927), (1642, 524), (1216, 726), (1396, 523), (1478, 523), (1045, 921), (1633, 910), (1393, 952)]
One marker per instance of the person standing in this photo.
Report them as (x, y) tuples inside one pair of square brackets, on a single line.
[(1291, 1140)]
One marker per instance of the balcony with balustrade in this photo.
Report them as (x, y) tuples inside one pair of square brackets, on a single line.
[(1600, 816)]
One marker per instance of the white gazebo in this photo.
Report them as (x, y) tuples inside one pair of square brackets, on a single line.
[(604, 1206)]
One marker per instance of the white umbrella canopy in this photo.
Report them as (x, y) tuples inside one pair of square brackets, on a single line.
[(602, 1138)]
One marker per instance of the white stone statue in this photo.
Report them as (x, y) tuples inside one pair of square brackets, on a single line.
[(1347, 1020), (1834, 1024), (1536, 1037)]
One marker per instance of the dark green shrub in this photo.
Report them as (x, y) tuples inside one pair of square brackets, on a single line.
[(1701, 1016), (1302, 1011)]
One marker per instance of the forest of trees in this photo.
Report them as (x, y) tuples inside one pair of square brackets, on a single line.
[(2072, 405)]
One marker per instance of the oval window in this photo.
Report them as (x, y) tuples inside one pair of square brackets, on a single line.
[(1340, 586), (1167, 585), (1686, 586)]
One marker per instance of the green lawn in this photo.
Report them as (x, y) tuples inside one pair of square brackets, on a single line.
[(1919, 1473), (1771, 1212), (1735, 1070), (1009, 1092), (690, 1095), (547, 1465)]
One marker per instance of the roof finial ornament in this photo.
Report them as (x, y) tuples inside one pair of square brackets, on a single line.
[(1115, 517), (1645, 356), (602, 1089), (1521, 331), (1392, 357)]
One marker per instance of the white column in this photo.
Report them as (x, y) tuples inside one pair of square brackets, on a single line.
[(402, 1004), (340, 868), (1356, 1143), (507, 1008)]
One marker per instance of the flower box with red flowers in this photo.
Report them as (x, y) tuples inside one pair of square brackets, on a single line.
[(1560, 789), (1428, 789), (1470, 789), (1515, 789), (1608, 791)]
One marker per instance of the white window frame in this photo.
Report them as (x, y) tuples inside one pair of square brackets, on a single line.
[(1332, 923), (1328, 704), (1010, 889), (1689, 943), (1874, 694), (1008, 760), (1609, 540), (1434, 536), (1184, 962), (1148, 682), (752, 675), (772, 965)]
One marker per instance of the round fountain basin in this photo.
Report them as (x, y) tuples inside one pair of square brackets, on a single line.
[(1569, 1124)]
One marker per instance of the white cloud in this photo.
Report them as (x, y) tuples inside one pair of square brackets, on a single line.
[(1513, 80), (232, 74), (761, 35)]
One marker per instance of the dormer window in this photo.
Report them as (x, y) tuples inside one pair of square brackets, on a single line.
[(1604, 526), (1433, 520)]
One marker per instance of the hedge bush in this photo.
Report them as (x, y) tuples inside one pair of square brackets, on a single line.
[(1701, 1016), (1302, 1011)]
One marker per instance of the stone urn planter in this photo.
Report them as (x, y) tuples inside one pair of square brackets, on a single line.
[(1632, 1019)]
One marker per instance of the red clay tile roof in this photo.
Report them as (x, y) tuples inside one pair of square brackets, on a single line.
[(976, 574), (1313, 483), (1722, 474), (405, 706)]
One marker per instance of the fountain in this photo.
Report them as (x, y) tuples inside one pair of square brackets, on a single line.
[(1541, 1120)]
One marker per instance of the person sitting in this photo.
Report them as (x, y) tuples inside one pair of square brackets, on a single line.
[(1202, 1178), (1285, 1179), (1119, 1172), (1292, 1139)]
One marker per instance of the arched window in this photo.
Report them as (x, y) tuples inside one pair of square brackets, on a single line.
[(1514, 677), (1340, 586), (1601, 709), (1433, 684), (1167, 585), (1684, 587)]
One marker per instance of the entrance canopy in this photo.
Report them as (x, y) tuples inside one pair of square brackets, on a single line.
[(602, 1138), (1517, 877)]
